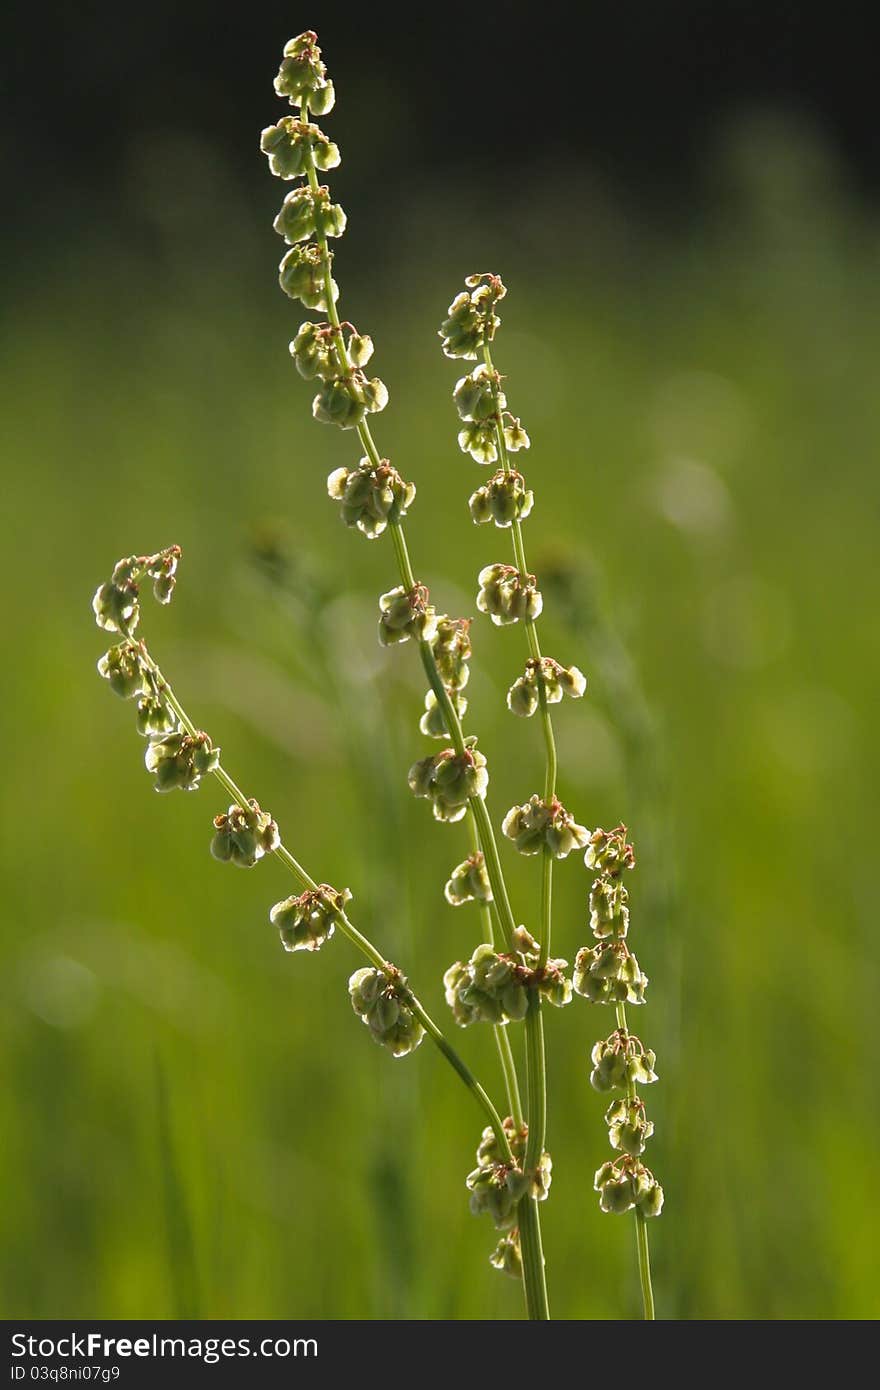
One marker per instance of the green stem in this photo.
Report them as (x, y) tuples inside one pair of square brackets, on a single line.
[(363, 944), (529, 1219), (530, 1230), (643, 1252)]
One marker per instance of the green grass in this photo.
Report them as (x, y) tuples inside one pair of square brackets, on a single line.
[(196, 1123)]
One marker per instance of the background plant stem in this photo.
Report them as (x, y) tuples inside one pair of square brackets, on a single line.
[(642, 1250)]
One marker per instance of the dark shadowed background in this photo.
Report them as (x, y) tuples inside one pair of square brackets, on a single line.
[(682, 201)]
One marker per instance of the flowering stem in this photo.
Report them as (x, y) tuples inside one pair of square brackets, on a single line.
[(530, 1230), (363, 944), (644, 1255)]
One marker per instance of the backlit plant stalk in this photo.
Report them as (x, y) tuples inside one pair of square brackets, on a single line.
[(374, 497), (179, 756), (509, 594)]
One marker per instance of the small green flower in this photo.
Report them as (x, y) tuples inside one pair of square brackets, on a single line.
[(244, 835), (471, 320), (478, 439), (546, 675), (180, 760), (504, 499), (609, 974), (620, 1059), (507, 1255), (449, 780), (469, 882), (479, 396), (313, 351), (404, 614), (627, 1183), (371, 498), (122, 668), (489, 988), (154, 716), (306, 922), (381, 998), (287, 147), (542, 825), (488, 1150), (305, 214), (628, 1127), (346, 400), (302, 77), (508, 596), (116, 604), (451, 646), (609, 914), (301, 276), (609, 853), (496, 1191), (433, 721)]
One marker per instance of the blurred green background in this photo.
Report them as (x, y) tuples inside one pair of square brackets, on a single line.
[(196, 1124)]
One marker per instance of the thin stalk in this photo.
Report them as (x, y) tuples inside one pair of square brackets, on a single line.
[(363, 944), (530, 1230), (502, 1036), (529, 1218), (644, 1255)]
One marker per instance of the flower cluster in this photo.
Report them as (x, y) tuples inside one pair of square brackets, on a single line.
[(608, 973), (494, 988), (626, 1183), (243, 835), (482, 406), (507, 595), (116, 603), (471, 320), (545, 678), (497, 1185), (405, 613), (179, 761), (469, 882), (308, 218), (620, 1062), (433, 722), (383, 1001), (451, 650), (449, 780), (503, 499), (306, 922), (371, 498), (540, 825)]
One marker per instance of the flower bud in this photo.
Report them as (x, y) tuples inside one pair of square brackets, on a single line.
[(504, 499), (477, 438), (495, 1191), (371, 498), (406, 613), (627, 1183), (449, 780), (469, 882), (433, 721), (306, 922), (243, 835), (479, 396), (515, 436), (305, 214), (287, 146), (180, 760), (121, 667), (381, 998), (621, 1059), (302, 77), (628, 1127), (301, 276), (609, 914), (507, 1255), (154, 716), (488, 1150), (116, 607), (451, 646), (547, 676), (542, 825), (313, 352), (471, 320), (609, 974), (508, 596), (609, 853), (489, 988)]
